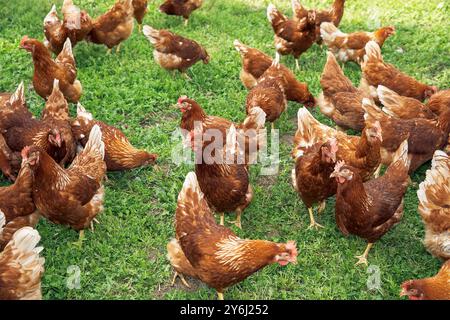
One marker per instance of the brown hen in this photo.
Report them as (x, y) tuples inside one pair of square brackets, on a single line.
[(119, 152), (174, 52), (72, 196), (340, 100), (376, 72), (370, 209), (114, 26), (225, 183), (351, 46), (182, 8), (46, 70), (432, 288), (213, 253), (434, 206)]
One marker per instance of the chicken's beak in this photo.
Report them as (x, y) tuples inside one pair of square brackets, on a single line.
[(403, 293)]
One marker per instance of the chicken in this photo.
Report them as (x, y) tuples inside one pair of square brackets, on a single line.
[(439, 102), (119, 153), (362, 152), (311, 176), (269, 94), (424, 135), (370, 209), (351, 46), (213, 253), (46, 69), (174, 52), (21, 267), (402, 107), (291, 36), (114, 26), (225, 183), (17, 206), (333, 15), (434, 206), (182, 8), (376, 72), (19, 129), (76, 25), (140, 10), (56, 114), (432, 288), (72, 196), (255, 63), (340, 100)]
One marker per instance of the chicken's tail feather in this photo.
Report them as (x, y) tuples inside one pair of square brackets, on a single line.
[(328, 31), (95, 141), (23, 247), (274, 16), (373, 52), (151, 34), (435, 190), (240, 47), (307, 132), (18, 96), (401, 156)]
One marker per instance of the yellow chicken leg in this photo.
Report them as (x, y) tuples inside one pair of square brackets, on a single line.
[(219, 295), (297, 65), (183, 280), (118, 48), (186, 22), (322, 206), (313, 223), (272, 125), (139, 28), (222, 218), (362, 259), (79, 243), (237, 222), (109, 51)]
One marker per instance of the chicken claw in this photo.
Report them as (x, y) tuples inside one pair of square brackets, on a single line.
[(237, 222), (313, 223), (79, 243), (362, 259), (183, 280), (186, 76)]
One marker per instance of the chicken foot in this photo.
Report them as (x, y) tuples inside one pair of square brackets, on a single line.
[(313, 223), (219, 295), (79, 243), (297, 64), (222, 218), (237, 222), (362, 259), (183, 280)]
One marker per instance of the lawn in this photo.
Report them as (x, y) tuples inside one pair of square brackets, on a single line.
[(125, 258)]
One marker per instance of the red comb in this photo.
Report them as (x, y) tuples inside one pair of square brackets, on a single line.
[(24, 38), (181, 99)]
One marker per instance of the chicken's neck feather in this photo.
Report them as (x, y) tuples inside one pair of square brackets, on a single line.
[(239, 254)]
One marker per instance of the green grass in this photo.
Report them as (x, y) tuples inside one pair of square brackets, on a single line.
[(126, 256)]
